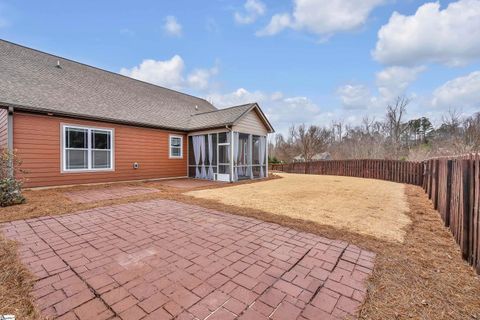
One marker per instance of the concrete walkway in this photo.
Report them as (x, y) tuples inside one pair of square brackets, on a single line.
[(162, 259)]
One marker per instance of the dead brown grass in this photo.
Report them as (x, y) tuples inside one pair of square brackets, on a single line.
[(365, 206), (422, 278), (15, 284)]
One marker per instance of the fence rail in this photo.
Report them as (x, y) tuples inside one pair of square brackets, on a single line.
[(452, 183)]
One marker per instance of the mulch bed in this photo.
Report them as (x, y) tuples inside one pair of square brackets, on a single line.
[(423, 278)]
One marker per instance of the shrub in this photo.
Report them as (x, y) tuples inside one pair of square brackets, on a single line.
[(273, 160), (10, 192), (10, 186)]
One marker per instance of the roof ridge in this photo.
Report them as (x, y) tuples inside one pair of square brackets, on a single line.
[(107, 71), (231, 107)]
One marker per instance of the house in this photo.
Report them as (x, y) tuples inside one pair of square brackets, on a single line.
[(71, 123), (316, 157)]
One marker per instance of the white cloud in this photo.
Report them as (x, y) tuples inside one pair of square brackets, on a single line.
[(282, 111), (253, 10), (355, 96), (322, 17), (170, 73), (449, 36), (393, 81), (200, 78), (277, 24), (172, 27), (462, 92)]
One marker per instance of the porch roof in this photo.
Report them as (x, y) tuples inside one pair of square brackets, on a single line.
[(226, 117)]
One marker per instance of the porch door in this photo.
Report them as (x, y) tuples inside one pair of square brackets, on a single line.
[(223, 153)]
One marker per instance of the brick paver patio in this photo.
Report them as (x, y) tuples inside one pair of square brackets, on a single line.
[(162, 259), (93, 195)]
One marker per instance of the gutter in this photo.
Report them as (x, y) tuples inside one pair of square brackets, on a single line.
[(50, 112)]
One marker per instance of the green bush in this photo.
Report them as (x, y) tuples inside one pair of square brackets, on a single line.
[(10, 192), (273, 160), (10, 187)]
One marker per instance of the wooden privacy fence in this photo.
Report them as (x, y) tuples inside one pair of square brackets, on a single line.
[(452, 183), (391, 170)]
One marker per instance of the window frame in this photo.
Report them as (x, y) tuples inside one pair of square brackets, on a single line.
[(90, 129), (170, 156)]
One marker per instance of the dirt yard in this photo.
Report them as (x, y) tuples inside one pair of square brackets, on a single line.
[(365, 206)]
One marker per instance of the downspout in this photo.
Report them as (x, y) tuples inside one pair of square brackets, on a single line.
[(231, 152), (266, 156), (10, 140)]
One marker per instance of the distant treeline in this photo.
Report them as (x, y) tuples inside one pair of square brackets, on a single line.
[(390, 138)]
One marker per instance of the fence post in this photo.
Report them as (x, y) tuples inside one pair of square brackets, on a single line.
[(465, 239), (436, 165), (448, 194)]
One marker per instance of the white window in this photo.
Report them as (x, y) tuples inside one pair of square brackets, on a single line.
[(87, 148), (176, 149)]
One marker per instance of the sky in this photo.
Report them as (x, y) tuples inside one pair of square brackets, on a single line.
[(303, 61)]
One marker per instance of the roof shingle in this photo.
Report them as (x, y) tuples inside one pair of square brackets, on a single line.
[(31, 80)]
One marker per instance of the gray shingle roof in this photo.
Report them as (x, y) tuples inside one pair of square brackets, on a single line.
[(31, 80), (226, 116)]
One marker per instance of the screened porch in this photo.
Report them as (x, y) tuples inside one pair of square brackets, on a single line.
[(227, 156)]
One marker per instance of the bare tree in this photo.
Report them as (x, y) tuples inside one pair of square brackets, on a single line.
[(451, 121), (310, 140), (472, 132), (367, 124), (394, 138), (337, 131), (395, 125)]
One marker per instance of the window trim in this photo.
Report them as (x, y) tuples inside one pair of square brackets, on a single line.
[(170, 156), (63, 149)]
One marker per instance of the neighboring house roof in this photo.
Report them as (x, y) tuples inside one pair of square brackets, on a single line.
[(31, 80), (322, 156), (318, 156)]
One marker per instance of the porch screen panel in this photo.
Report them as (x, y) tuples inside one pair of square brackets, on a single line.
[(203, 174), (191, 158), (236, 154), (256, 155), (242, 156), (196, 151), (262, 156), (210, 157), (202, 158)]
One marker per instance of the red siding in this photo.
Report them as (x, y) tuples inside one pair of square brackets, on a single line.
[(3, 128), (37, 141)]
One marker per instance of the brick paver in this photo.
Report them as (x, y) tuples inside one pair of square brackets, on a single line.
[(93, 195), (162, 259)]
